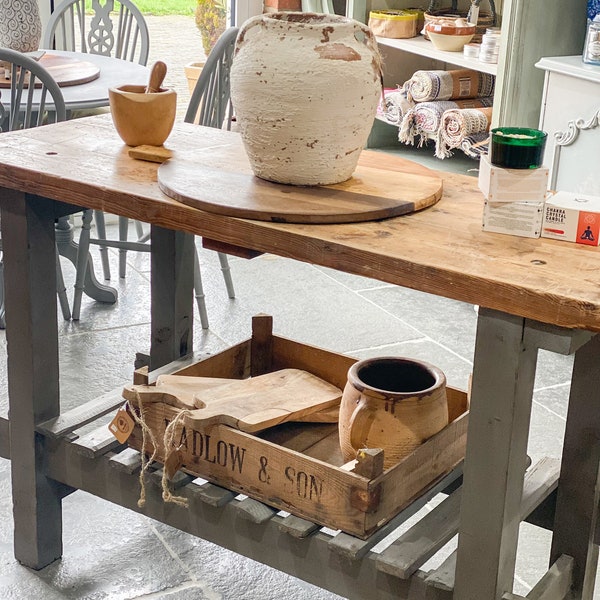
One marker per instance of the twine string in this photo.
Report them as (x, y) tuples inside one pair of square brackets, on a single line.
[(146, 462), (168, 442)]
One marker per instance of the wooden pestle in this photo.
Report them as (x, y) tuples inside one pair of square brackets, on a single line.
[(157, 76)]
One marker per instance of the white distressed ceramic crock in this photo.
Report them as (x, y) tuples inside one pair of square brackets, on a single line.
[(305, 89), (392, 403), (20, 25)]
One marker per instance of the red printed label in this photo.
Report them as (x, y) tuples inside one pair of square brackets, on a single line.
[(588, 228)]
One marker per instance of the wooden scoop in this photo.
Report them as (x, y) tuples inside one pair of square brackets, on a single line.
[(247, 404), (157, 76)]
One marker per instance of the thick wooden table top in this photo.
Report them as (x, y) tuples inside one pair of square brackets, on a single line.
[(440, 250)]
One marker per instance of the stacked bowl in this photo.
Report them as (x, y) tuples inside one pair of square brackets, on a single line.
[(450, 35)]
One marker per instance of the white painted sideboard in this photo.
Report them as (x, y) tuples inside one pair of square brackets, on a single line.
[(570, 112)]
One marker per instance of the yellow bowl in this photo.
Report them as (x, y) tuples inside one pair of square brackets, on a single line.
[(142, 118), (449, 38)]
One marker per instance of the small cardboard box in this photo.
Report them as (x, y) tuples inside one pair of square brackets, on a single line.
[(514, 218), (512, 185), (573, 218)]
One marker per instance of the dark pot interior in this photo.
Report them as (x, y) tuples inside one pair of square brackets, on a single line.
[(396, 376)]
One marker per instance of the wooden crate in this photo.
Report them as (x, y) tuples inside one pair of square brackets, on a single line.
[(298, 467)]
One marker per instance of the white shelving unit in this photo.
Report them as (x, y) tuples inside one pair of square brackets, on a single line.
[(422, 47)]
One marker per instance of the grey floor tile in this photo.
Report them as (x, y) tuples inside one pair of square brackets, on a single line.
[(449, 322), (306, 305)]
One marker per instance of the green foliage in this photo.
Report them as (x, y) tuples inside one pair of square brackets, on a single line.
[(160, 7), (211, 18)]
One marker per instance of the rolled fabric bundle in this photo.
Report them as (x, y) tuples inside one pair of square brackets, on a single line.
[(395, 105), (476, 145), (458, 123), (427, 86), (425, 118)]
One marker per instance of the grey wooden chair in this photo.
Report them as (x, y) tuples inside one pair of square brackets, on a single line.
[(210, 105), (28, 79), (115, 28)]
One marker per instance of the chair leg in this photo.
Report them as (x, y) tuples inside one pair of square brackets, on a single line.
[(226, 274), (123, 235), (61, 291), (83, 253), (139, 230), (199, 292), (101, 232)]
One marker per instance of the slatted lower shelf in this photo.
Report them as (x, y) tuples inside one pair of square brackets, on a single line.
[(343, 564)]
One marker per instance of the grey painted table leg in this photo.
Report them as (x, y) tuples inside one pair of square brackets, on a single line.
[(172, 283), (578, 492), (30, 276), (503, 378)]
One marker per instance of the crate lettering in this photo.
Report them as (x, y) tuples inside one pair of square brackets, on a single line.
[(262, 474), (224, 454), (307, 485)]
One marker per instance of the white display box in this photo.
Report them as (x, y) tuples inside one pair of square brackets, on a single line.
[(573, 218), (514, 218), (512, 185)]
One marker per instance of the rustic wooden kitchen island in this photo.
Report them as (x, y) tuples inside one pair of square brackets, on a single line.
[(532, 294)]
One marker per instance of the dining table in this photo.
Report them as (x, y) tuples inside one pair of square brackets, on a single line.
[(531, 294), (84, 80)]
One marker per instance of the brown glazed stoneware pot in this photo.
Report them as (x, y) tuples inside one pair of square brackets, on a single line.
[(391, 403)]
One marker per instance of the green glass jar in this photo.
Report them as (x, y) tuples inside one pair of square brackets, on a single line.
[(517, 147)]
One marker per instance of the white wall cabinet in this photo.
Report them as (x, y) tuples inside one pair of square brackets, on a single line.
[(570, 112)]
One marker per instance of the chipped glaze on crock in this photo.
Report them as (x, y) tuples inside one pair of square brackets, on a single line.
[(305, 89)]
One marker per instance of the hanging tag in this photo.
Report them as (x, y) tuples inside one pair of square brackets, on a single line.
[(473, 15), (173, 463), (122, 425)]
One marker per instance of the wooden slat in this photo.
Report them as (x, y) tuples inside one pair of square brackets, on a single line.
[(178, 480), (221, 525), (82, 415), (539, 483), (255, 511), (232, 249), (554, 585), (354, 548), (423, 540), (128, 461), (211, 494), (96, 442), (417, 545), (297, 527), (442, 578)]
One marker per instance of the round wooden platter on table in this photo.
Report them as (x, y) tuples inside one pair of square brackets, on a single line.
[(65, 70), (372, 193)]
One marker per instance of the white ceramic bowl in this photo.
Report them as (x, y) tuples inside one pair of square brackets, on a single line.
[(450, 39)]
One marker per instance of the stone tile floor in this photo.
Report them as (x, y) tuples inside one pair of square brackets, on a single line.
[(111, 553)]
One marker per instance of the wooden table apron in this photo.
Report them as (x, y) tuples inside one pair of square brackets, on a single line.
[(532, 294)]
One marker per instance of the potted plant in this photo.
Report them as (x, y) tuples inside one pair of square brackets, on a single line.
[(211, 20)]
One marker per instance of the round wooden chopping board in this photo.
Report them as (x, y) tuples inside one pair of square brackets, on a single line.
[(370, 194), (65, 70)]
